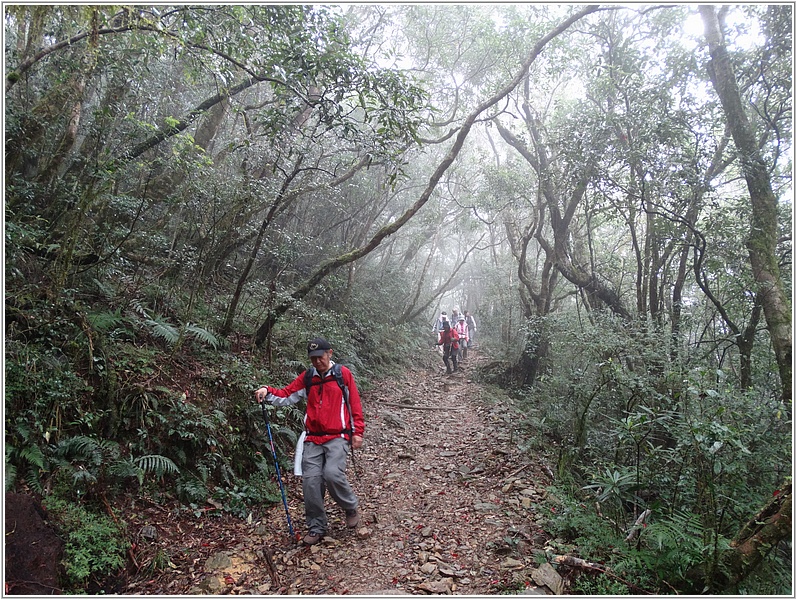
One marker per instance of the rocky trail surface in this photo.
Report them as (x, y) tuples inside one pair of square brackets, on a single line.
[(450, 505)]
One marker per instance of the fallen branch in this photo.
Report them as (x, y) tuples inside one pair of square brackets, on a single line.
[(518, 470), (637, 526), (580, 563), (272, 571)]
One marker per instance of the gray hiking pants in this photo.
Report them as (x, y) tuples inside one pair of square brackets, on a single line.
[(324, 468)]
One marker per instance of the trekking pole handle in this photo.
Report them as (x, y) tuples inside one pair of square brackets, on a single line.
[(260, 394)]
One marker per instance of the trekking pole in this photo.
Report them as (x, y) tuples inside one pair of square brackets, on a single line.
[(277, 466)]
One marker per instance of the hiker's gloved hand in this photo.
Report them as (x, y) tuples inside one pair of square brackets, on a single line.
[(261, 393), (357, 442)]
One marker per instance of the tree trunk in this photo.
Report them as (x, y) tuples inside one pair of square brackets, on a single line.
[(762, 242), (244, 277)]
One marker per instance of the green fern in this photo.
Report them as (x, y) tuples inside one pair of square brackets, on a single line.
[(106, 321), (162, 329), (34, 455), (191, 490), (672, 547), (156, 463), (682, 534), (203, 335), (125, 468), (33, 479), (104, 289), (139, 308), (84, 449)]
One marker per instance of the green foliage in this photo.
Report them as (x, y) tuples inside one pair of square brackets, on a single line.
[(154, 463), (601, 585), (193, 490), (668, 553), (96, 546), (638, 434), (672, 547), (127, 238), (256, 490)]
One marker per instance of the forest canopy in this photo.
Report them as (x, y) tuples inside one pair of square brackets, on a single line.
[(192, 192)]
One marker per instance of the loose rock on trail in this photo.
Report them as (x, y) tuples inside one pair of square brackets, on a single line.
[(450, 505)]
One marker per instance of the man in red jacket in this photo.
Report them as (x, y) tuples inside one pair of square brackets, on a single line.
[(328, 429)]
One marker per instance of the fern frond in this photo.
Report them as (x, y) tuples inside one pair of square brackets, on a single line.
[(34, 481), (204, 473), (105, 321), (682, 532), (109, 449), (191, 490), (286, 432), (127, 468), (139, 308), (80, 448), (34, 455), (156, 463), (104, 289), (162, 329), (203, 335), (83, 476)]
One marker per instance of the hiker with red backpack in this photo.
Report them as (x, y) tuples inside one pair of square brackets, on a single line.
[(450, 343), (334, 426)]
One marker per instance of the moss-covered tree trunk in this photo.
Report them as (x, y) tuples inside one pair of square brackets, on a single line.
[(762, 241), (770, 527)]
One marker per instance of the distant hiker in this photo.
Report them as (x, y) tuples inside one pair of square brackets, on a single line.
[(438, 326), (461, 328), (333, 420), (471, 321), (454, 316), (449, 341)]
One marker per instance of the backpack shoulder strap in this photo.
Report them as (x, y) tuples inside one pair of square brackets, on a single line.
[(337, 372)]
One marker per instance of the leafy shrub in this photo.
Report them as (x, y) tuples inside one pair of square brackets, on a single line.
[(96, 546), (239, 498)]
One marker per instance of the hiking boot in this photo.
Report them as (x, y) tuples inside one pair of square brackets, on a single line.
[(312, 538), (352, 518)]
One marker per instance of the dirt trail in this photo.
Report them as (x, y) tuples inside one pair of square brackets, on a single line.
[(450, 505)]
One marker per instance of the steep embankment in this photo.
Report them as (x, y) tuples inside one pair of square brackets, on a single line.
[(450, 505)]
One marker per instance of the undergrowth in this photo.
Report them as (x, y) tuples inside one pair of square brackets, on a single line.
[(95, 544)]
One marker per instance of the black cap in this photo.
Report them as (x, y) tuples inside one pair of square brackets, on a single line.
[(317, 347)]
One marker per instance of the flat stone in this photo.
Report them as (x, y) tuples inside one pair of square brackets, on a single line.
[(428, 568), (547, 576), (437, 587), (511, 564), (220, 560)]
